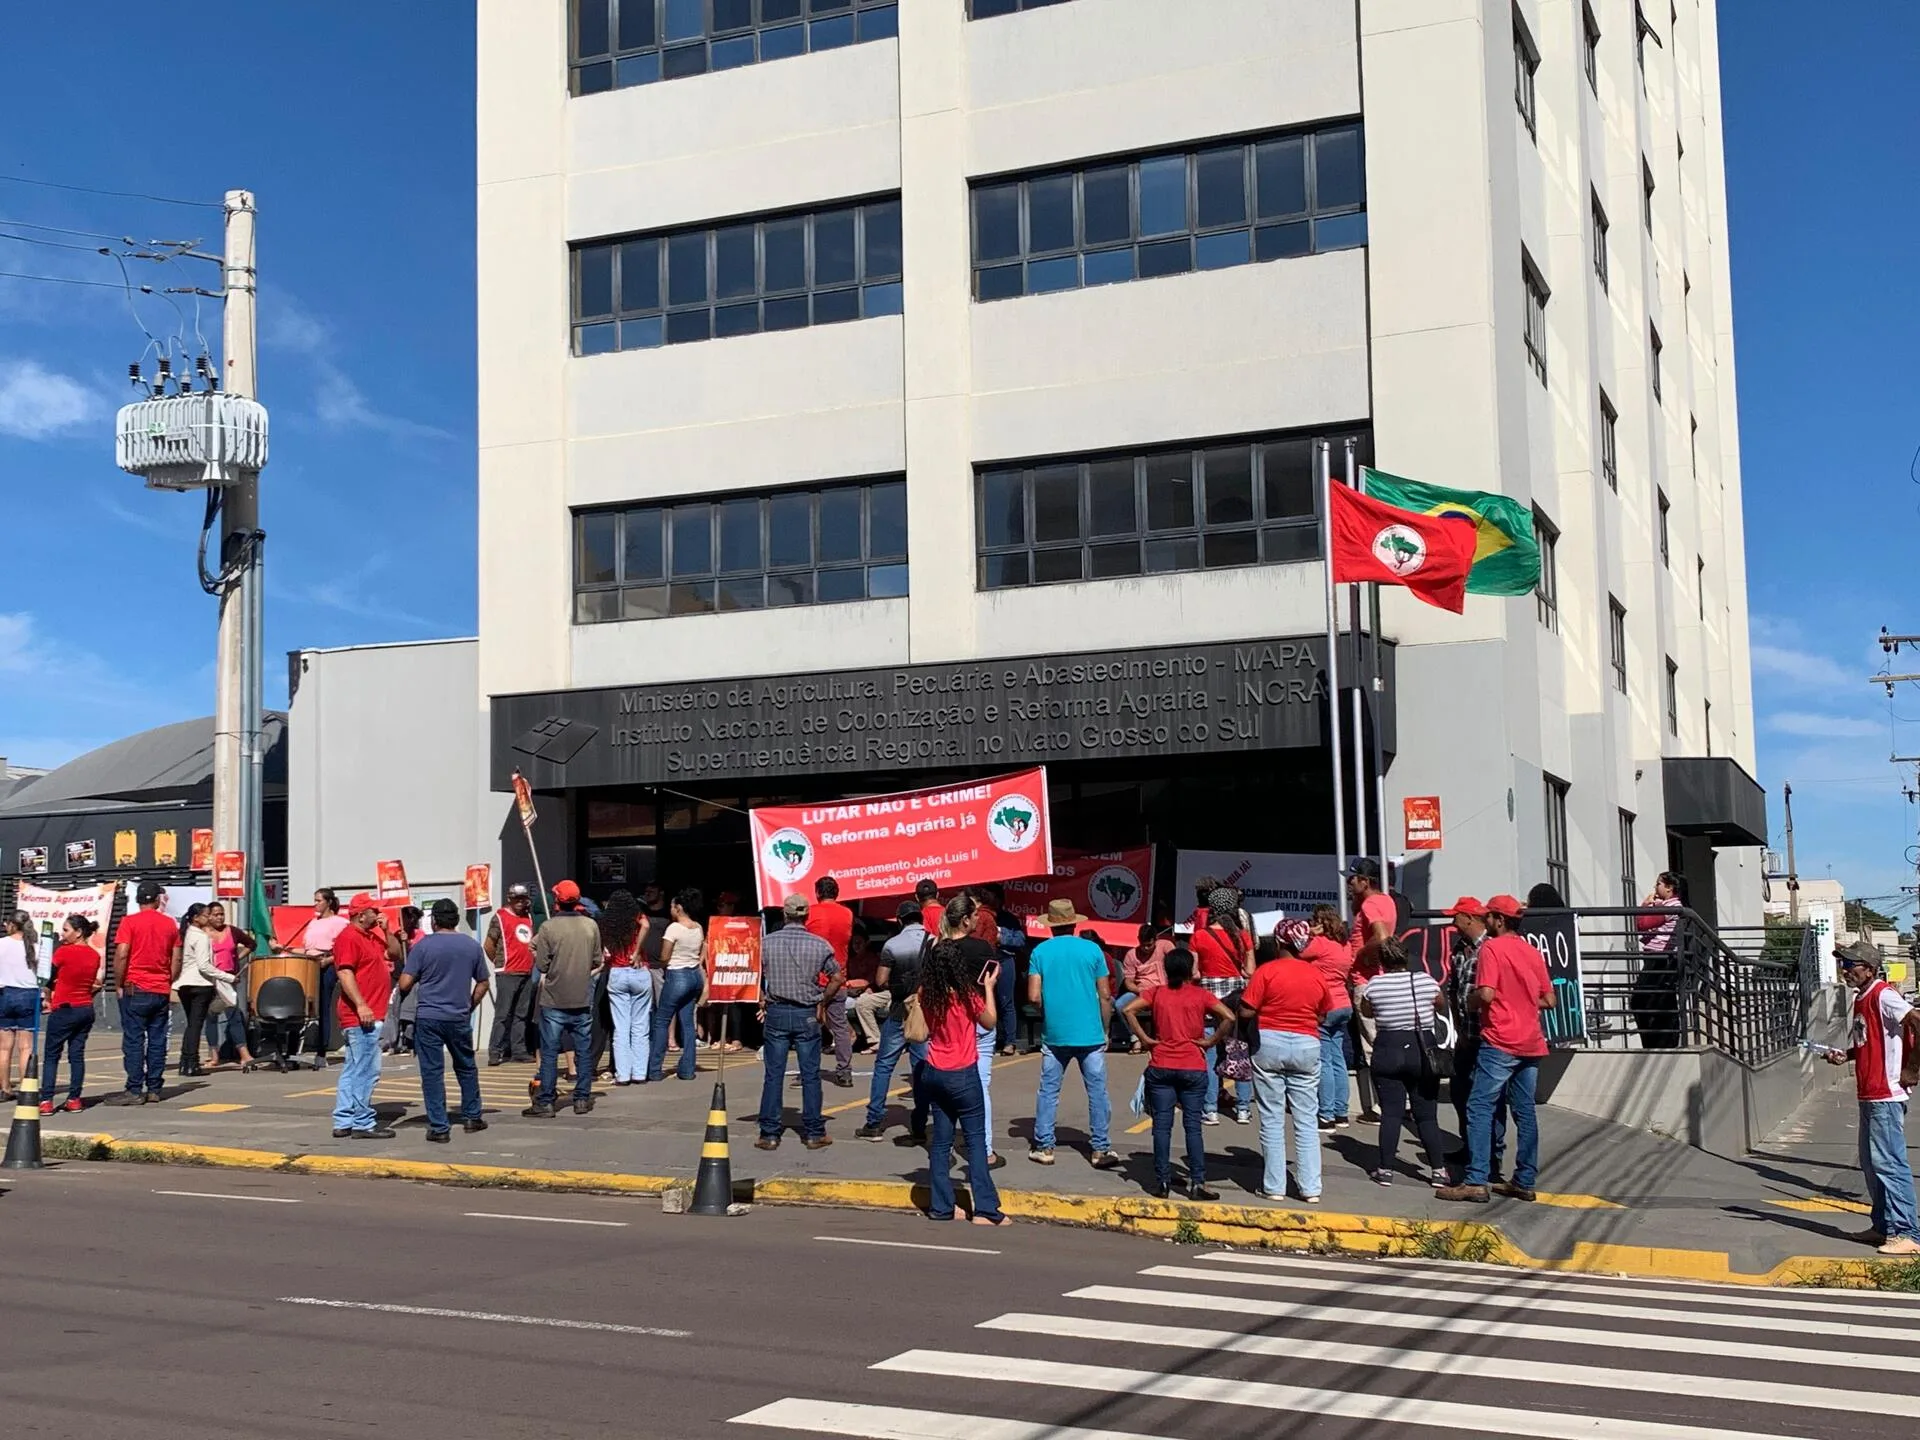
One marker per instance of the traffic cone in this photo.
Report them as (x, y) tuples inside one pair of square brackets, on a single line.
[(23, 1141), (713, 1186)]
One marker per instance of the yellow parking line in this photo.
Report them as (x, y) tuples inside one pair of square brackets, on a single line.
[(1825, 1205), (212, 1109), (1141, 1127)]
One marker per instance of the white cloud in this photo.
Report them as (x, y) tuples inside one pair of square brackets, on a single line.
[(338, 401), (1824, 727), (36, 403), (1802, 669)]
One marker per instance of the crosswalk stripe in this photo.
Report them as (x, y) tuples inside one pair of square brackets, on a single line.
[(1465, 1294), (1266, 1395), (1749, 1297), (1216, 1304), (1457, 1365), (890, 1422)]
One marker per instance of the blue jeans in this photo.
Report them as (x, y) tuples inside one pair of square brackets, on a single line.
[(1188, 1090), (795, 1029), (1334, 1080), (630, 1003), (576, 1027), (67, 1029), (1883, 1161), (1497, 1074), (984, 1043), (958, 1103), (1242, 1090), (1466, 1060), (893, 1040), (359, 1073), (143, 1039), (433, 1041), (1054, 1060), (1287, 1071), (679, 994), (1003, 1004)]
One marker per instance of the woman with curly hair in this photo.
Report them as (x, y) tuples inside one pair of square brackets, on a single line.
[(956, 997), (623, 925)]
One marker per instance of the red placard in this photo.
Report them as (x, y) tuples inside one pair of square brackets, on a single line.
[(479, 887), (992, 829), (1114, 886), (390, 883), (229, 875), (523, 797), (202, 853), (1422, 814), (733, 959)]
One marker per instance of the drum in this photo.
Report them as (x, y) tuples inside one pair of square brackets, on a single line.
[(303, 968)]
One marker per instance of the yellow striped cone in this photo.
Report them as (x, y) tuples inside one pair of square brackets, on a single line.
[(713, 1186), (23, 1141)]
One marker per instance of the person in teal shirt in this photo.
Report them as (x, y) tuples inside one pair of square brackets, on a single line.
[(1067, 977)]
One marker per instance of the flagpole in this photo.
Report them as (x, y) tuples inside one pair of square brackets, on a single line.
[(1323, 451), (1356, 709), (1377, 700)]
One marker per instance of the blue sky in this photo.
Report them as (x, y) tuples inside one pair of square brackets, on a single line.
[(353, 124)]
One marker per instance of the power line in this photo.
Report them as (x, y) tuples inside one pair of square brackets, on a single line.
[(67, 230), (117, 194), (52, 244), (61, 280)]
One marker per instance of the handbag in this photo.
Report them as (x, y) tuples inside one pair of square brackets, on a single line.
[(914, 1023), (1436, 1060), (1236, 1060)]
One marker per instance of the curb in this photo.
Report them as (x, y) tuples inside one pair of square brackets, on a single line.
[(1245, 1226)]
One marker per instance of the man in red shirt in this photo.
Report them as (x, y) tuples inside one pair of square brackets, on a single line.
[(833, 923), (509, 946), (1510, 989), (928, 894), (146, 962), (1373, 921), (363, 960)]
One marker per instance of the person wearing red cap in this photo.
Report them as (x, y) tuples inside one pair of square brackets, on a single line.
[(1469, 933), (363, 957), (1511, 988)]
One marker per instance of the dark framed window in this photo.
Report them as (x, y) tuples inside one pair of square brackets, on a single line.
[(1232, 203), (1526, 60), (1599, 240), (1629, 883), (1590, 52), (985, 9), (709, 282), (749, 550), (1536, 328), (1546, 591), (1617, 642), (1653, 358), (619, 43), (1555, 796), (1663, 513), (1646, 194), (1609, 443), (1673, 697), (1211, 505)]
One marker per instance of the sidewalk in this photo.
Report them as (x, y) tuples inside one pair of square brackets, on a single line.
[(1605, 1185)]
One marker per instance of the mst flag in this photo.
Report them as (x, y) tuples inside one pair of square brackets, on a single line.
[(1372, 541), (1506, 560)]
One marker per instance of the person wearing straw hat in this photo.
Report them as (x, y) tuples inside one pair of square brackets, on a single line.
[(1883, 1045), (1067, 977)]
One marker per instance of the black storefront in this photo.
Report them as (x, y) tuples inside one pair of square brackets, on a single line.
[(1214, 746)]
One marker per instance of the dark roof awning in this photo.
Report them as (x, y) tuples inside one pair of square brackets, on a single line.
[(1712, 796)]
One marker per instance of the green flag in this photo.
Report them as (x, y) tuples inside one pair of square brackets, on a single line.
[(1506, 559)]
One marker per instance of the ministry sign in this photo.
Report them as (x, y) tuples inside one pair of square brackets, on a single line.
[(1174, 700)]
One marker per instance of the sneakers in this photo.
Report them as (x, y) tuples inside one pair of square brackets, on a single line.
[(152, 1097), (818, 1142), (1469, 1194), (1380, 1176), (73, 1106), (46, 1107), (1210, 1118), (1326, 1127), (844, 1079), (1041, 1157), (125, 1097), (537, 1111), (1513, 1191), (1243, 1115), (583, 1107), (870, 1132), (1900, 1245), (473, 1127), (340, 1134), (1106, 1160)]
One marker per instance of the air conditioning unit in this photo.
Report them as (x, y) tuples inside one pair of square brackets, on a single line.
[(190, 442)]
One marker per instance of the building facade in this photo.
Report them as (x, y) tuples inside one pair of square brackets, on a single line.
[(874, 392)]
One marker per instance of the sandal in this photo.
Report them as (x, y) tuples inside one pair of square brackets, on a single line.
[(999, 1224)]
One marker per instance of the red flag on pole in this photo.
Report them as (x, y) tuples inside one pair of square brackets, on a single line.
[(1428, 554)]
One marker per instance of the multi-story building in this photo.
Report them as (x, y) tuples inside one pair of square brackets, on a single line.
[(873, 392)]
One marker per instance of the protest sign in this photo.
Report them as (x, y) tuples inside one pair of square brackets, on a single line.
[(733, 959), (390, 883), (1113, 885), (49, 909), (1268, 884)]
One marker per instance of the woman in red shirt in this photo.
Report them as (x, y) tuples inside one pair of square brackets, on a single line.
[(1177, 1068), (956, 997), (1223, 958), (1289, 998), (76, 980), (1330, 954)]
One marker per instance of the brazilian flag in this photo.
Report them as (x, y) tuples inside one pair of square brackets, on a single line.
[(1506, 559)]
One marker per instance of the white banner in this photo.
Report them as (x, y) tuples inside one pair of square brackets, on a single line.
[(176, 900), (49, 909), (1270, 884)]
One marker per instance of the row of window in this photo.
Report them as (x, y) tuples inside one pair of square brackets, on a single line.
[(620, 43)]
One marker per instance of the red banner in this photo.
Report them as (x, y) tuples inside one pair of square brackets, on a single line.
[(994, 829), (733, 959), (1116, 885), (1422, 815)]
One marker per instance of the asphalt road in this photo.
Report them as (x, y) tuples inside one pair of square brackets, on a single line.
[(161, 1302)]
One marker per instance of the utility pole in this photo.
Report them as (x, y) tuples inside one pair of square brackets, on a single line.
[(237, 750), (1793, 874)]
